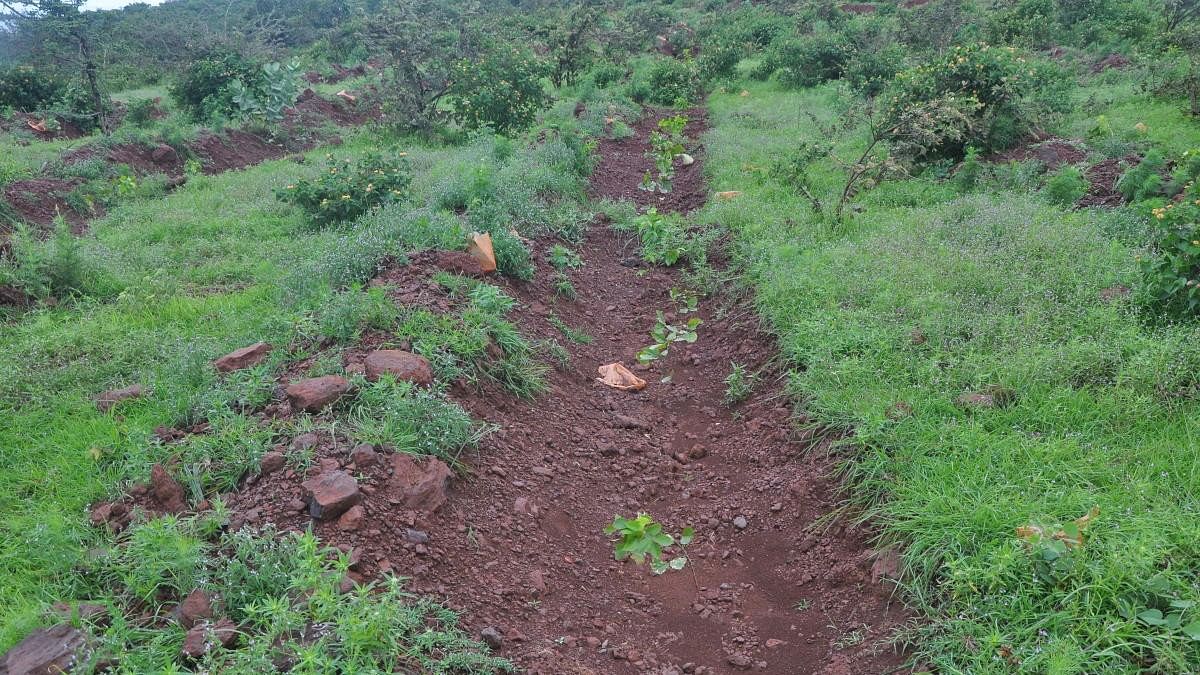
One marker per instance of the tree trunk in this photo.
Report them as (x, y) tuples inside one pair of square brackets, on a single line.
[(92, 77)]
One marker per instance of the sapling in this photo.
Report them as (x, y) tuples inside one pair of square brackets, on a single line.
[(643, 539)]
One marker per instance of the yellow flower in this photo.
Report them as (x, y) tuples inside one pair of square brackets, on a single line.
[(345, 197)]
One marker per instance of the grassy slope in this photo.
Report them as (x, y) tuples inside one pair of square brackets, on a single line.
[(1006, 288), (200, 272)]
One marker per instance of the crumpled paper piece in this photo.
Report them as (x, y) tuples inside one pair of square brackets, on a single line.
[(619, 377)]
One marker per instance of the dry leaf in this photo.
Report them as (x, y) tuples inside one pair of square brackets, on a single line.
[(1033, 532), (618, 376), (729, 194), (347, 96), (37, 125), (480, 248)]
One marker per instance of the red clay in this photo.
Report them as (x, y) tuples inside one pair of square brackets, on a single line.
[(519, 545)]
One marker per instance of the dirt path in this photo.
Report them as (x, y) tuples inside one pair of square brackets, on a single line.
[(519, 546)]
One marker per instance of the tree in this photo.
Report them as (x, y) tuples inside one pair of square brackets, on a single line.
[(420, 41), (69, 39)]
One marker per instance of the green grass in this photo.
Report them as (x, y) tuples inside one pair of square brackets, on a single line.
[(217, 264), (1005, 287)]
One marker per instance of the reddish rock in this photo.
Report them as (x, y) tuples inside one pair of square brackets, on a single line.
[(107, 400), (458, 262), (400, 365), (886, 566), (167, 491), (203, 638), (45, 651), (351, 519), (243, 358), (194, 608), (84, 611), (364, 456), (113, 515), (331, 494), (270, 463), (314, 394), (421, 487)]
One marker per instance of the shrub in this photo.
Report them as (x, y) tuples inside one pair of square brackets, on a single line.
[(719, 60), (344, 192), (140, 112), (869, 71), (1066, 186), (503, 90), (203, 89), (666, 81), (606, 73), (1006, 93), (1028, 23), (808, 60), (1144, 180), (23, 88), (1171, 277)]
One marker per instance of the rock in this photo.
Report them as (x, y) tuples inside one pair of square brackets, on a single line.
[(305, 442), (399, 364), (167, 490), (627, 422), (740, 522), (243, 358), (415, 536), (492, 637), (331, 494), (45, 651), (740, 661), (886, 566), (458, 262), (351, 519), (421, 487), (364, 455), (314, 394), (194, 608), (270, 463), (685, 159), (203, 638), (537, 581), (991, 397), (917, 337), (84, 611), (1114, 293), (109, 399)]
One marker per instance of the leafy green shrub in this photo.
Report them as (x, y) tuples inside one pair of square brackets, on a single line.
[(203, 89), (502, 89), (666, 81), (718, 60), (266, 96), (869, 71), (606, 73), (1145, 180), (664, 237), (1004, 93), (141, 111), (23, 88), (344, 192), (56, 267), (1066, 186), (808, 60), (1028, 23), (1171, 276)]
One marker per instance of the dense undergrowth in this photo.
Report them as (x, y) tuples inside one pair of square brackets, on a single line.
[(934, 291)]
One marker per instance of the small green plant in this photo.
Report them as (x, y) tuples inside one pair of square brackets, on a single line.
[(562, 258), (345, 191), (1145, 180), (563, 287), (738, 384), (666, 143), (1066, 186), (501, 89), (642, 539), (140, 112), (665, 335), (664, 237), (685, 301), (266, 98), (577, 336)]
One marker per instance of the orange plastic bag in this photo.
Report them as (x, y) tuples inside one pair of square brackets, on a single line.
[(480, 248), (619, 377)]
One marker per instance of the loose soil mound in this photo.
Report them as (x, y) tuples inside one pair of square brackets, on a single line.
[(312, 109), (1111, 61), (39, 200), (234, 150), (1052, 152), (144, 160), (32, 124), (518, 546), (1102, 181)]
